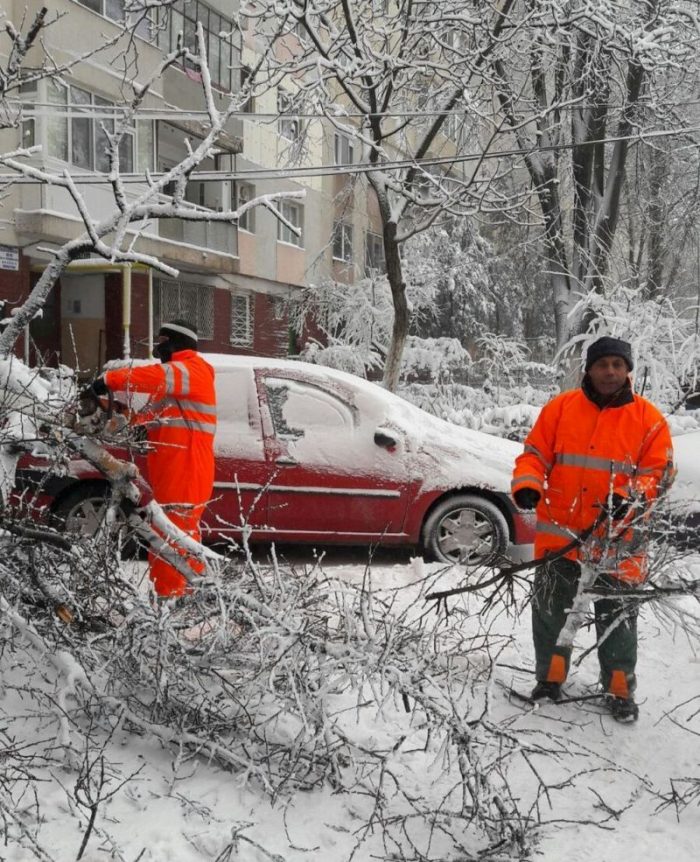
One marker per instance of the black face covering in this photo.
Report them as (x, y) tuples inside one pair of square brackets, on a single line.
[(174, 340), (164, 351)]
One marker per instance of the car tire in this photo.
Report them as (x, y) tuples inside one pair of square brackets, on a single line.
[(82, 511), (467, 529)]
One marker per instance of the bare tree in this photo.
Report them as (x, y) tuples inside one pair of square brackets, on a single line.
[(406, 81), (592, 73)]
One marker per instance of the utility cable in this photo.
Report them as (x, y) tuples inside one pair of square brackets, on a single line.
[(311, 171)]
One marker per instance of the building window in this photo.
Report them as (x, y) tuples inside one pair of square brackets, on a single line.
[(242, 319), (28, 128), (294, 213), (181, 16), (192, 302), (245, 192), (374, 254), (28, 133), (342, 242), (140, 20), (57, 125), (78, 132), (344, 150), (248, 107), (288, 127)]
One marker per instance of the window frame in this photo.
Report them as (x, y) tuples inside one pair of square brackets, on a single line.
[(248, 339), (371, 267), (248, 107), (96, 106), (343, 141), (284, 234), (285, 102), (343, 241), (205, 295), (247, 221), (156, 26)]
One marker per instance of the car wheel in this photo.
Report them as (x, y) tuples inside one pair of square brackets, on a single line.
[(465, 529), (83, 510)]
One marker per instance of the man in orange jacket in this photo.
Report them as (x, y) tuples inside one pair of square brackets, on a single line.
[(180, 418), (597, 448)]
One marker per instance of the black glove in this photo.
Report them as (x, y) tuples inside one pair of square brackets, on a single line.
[(617, 507), (92, 392), (97, 387), (526, 498), (89, 396)]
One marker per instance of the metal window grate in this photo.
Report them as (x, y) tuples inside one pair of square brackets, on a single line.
[(242, 319), (193, 302)]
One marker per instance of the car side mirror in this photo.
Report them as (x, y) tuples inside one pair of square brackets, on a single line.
[(384, 439)]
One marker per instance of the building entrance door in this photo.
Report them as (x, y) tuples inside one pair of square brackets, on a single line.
[(83, 322)]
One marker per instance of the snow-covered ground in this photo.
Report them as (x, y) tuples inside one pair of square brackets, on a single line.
[(597, 787)]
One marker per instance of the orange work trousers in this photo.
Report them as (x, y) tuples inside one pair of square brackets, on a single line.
[(166, 578)]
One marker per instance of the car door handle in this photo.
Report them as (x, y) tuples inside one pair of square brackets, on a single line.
[(286, 461)]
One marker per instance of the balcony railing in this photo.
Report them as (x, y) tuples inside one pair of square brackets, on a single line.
[(99, 200)]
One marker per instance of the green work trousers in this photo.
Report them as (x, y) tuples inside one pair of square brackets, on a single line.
[(553, 594)]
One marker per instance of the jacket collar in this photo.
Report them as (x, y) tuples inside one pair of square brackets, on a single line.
[(179, 355), (620, 398)]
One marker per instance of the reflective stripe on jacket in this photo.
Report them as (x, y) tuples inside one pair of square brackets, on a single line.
[(576, 455), (181, 420)]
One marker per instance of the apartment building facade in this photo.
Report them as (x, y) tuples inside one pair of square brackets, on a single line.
[(101, 310), (235, 281)]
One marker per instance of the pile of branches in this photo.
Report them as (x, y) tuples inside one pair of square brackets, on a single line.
[(275, 675)]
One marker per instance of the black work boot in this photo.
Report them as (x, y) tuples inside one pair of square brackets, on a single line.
[(623, 708), (543, 689)]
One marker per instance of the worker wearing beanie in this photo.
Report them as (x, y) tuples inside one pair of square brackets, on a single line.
[(600, 447), (180, 418)]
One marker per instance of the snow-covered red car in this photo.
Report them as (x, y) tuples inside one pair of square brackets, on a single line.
[(683, 503), (307, 454)]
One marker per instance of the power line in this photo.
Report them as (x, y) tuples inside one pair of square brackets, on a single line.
[(74, 110), (310, 171)]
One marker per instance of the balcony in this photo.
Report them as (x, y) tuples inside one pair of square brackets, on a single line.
[(49, 213)]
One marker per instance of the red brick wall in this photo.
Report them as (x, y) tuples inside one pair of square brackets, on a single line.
[(271, 327), (139, 315), (114, 338), (45, 331), (271, 335), (222, 323), (14, 287)]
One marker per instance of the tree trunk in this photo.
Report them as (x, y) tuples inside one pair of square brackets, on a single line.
[(399, 332), (655, 215)]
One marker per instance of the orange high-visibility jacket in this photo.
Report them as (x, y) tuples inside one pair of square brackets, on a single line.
[(576, 455), (181, 420)]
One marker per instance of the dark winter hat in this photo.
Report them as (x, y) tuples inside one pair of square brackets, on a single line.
[(180, 335), (608, 346), (179, 327)]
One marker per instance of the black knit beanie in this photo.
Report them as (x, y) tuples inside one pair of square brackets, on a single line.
[(181, 334), (608, 346)]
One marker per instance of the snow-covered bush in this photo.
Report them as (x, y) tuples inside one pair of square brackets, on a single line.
[(356, 323), (353, 319), (509, 412), (513, 422), (435, 360)]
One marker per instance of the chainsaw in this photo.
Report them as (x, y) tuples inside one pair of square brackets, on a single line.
[(101, 416)]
